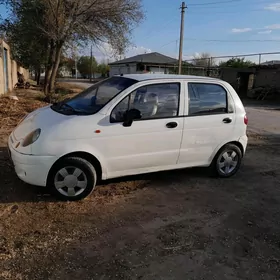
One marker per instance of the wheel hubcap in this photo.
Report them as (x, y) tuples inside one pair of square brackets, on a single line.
[(228, 162), (70, 181)]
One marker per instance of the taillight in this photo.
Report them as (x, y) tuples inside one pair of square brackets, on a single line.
[(246, 119)]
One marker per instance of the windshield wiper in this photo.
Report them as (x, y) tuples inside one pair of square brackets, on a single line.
[(60, 105), (67, 106)]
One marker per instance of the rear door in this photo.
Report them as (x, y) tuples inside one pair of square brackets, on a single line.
[(209, 122)]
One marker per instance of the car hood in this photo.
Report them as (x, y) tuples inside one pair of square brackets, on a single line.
[(27, 125), (54, 125)]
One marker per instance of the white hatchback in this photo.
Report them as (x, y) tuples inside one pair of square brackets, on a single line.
[(127, 125)]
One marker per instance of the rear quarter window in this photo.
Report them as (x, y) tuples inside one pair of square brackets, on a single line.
[(207, 99)]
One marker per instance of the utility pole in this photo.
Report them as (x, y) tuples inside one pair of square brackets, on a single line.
[(76, 70), (183, 7), (91, 63)]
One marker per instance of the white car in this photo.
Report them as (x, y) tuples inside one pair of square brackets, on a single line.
[(131, 124)]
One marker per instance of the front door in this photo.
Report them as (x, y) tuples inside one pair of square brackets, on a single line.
[(151, 143), (209, 122)]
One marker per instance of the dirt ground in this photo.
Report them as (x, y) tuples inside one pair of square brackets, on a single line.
[(170, 225)]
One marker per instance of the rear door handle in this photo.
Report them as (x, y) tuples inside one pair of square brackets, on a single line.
[(227, 120), (171, 125)]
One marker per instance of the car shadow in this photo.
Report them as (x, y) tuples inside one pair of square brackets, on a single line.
[(13, 190)]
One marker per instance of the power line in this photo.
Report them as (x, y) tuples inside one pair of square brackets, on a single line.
[(213, 3), (235, 4), (226, 12), (221, 41), (167, 44), (239, 55), (230, 41), (161, 27), (218, 41)]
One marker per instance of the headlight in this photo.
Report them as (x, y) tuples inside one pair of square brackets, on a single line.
[(31, 137)]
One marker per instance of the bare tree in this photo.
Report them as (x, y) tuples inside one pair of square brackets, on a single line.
[(96, 20), (203, 59), (63, 22)]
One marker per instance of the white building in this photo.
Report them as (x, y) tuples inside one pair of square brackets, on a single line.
[(154, 63)]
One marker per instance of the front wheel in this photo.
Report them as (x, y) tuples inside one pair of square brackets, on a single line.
[(227, 161), (72, 179)]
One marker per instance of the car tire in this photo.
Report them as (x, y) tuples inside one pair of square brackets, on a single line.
[(226, 162), (72, 179)]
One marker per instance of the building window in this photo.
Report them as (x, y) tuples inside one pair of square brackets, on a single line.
[(140, 67)]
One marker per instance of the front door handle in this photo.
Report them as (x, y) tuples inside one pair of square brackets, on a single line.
[(171, 125), (227, 120)]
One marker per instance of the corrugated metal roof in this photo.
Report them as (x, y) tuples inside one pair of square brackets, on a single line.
[(271, 62), (153, 58)]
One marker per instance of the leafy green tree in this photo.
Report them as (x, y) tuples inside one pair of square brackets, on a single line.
[(236, 62), (104, 69), (84, 66), (67, 62), (203, 60)]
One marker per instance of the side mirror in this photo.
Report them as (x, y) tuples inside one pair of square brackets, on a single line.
[(130, 116)]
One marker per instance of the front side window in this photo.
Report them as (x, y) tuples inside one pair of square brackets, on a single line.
[(153, 102), (93, 99), (207, 99)]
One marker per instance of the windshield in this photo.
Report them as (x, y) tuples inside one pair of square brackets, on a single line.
[(93, 99)]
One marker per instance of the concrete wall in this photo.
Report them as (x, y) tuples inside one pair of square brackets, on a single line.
[(2, 82), (267, 77), (132, 69), (229, 75), (263, 76), (13, 68)]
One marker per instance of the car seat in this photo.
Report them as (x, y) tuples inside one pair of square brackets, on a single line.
[(150, 105), (170, 107)]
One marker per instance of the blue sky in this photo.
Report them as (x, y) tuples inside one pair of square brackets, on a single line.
[(236, 23), (242, 20)]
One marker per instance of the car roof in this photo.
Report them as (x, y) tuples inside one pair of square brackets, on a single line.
[(145, 77)]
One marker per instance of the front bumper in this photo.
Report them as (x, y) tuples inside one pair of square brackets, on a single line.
[(31, 169)]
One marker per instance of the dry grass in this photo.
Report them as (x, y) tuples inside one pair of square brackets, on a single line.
[(12, 111), (64, 88)]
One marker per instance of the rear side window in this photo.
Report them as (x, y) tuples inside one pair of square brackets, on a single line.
[(207, 99)]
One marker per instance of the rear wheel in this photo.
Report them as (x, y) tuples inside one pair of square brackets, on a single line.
[(72, 179), (227, 161)]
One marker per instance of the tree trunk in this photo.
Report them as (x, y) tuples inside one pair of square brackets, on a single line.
[(48, 68), (47, 79), (38, 76), (55, 66)]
